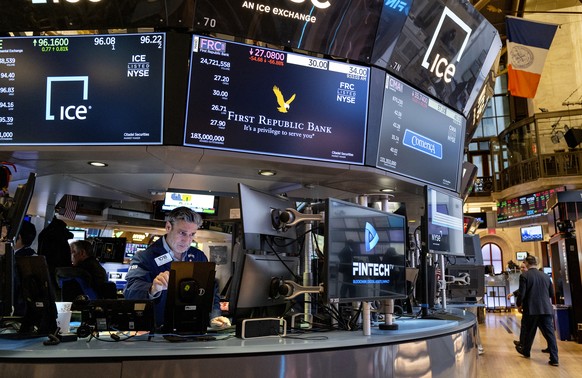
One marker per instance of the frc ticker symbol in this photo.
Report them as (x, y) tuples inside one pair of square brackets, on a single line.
[(371, 237), (67, 112)]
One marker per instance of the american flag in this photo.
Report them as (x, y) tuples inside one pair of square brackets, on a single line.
[(70, 209)]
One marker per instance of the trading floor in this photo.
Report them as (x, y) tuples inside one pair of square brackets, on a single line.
[(500, 360)]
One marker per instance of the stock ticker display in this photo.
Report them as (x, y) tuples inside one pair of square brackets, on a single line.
[(82, 89), (253, 99)]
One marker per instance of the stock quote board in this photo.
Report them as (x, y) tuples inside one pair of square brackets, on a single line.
[(253, 99)]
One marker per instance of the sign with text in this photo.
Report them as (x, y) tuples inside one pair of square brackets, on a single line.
[(253, 99)]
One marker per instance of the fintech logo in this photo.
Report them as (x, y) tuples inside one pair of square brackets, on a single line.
[(444, 46), (283, 105), (69, 112), (398, 5), (372, 237)]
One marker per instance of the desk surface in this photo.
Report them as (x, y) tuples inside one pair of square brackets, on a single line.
[(226, 344)]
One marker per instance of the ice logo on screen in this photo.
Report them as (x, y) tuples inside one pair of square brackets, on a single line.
[(444, 46), (316, 3), (68, 112), (283, 105), (371, 236)]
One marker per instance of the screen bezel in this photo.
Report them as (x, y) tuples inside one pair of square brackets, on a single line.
[(429, 225), (334, 297)]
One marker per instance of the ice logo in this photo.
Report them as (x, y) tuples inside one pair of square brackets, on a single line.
[(372, 237)]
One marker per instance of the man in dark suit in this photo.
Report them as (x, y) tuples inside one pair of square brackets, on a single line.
[(535, 293)]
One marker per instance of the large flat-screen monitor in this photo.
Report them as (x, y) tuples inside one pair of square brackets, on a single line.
[(254, 286), (249, 98), (443, 232), (364, 253), (531, 233), (418, 137), (338, 28), (190, 297), (83, 89), (258, 210), (470, 292), (200, 203)]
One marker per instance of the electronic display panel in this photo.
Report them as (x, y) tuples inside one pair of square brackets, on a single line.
[(50, 15), (527, 206), (82, 89), (253, 99), (531, 233), (338, 28), (365, 253), (446, 49), (444, 223), (419, 137)]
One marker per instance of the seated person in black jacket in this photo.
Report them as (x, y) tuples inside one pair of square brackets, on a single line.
[(86, 267)]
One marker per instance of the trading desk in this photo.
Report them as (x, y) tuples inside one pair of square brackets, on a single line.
[(420, 347)]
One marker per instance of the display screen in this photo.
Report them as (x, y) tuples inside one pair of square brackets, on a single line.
[(200, 203), (419, 137), (253, 99), (531, 233), (82, 90), (530, 205), (445, 48), (444, 214), (365, 253), (339, 28)]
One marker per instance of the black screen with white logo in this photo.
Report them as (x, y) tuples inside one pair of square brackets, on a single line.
[(365, 253), (81, 90)]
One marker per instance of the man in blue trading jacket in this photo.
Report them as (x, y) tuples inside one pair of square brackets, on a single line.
[(149, 272)]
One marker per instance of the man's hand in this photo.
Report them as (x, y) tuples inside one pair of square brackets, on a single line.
[(160, 282)]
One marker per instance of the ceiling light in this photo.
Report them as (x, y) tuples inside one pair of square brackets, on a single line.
[(387, 190), (267, 172), (97, 164)]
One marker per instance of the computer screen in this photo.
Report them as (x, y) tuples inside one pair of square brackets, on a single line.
[(258, 211), (190, 297), (444, 222), (254, 287), (109, 249), (364, 252), (531, 233)]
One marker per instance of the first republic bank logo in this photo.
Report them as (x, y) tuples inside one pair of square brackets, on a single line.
[(445, 36), (67, 112)]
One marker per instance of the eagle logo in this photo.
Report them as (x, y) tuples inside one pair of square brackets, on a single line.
[(283, 105)]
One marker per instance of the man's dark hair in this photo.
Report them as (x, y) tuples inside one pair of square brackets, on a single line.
[(27, 233), (186, 214), (531, 260)]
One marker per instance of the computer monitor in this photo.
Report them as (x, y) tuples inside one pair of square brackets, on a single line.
[(364, 253), (254, 289), (259, 212), (470, 292), (190, 297), (443, 228), (531, 233), (109, 249), (35, 292)]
